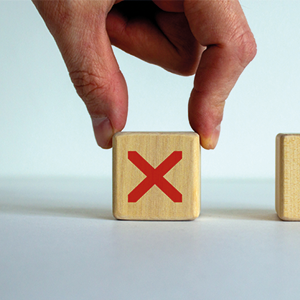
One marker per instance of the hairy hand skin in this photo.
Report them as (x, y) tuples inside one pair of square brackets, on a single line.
[(208, 38)]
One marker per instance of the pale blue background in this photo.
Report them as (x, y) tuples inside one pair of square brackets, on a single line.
[(46, 131), (58, 239)]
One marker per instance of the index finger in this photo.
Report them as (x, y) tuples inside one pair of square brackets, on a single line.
[(221, 26)]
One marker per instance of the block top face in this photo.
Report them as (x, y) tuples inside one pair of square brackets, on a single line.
[(286, 138), (281, 135), (156, 175), (190, 134), (288, 176)]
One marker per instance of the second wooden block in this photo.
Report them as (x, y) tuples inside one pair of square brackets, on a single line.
[(288, 176)]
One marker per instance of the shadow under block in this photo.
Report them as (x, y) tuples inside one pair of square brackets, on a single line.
[(156, 175), (288, 176)]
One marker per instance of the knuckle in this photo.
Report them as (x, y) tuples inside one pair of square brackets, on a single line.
[(245, 45), (90, 87)]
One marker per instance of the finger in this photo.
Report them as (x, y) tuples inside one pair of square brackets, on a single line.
[(158, 37), (81, 36), (222, 27)]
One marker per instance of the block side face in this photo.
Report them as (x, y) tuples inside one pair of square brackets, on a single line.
[(195, 175), (289, 199), (278, 174), (184, 176), (116, 213)]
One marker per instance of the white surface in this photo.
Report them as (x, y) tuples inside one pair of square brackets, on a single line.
[(58, 240), (46, 131)]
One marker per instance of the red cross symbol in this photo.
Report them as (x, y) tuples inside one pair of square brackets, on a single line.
[(155, 176)]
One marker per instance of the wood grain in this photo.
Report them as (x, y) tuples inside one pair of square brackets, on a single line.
[(155, 147), (288, 176)]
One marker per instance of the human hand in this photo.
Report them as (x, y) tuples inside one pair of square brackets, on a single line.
[(208, 38)]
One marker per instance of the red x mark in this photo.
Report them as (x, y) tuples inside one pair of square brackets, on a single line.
[(155, 176)]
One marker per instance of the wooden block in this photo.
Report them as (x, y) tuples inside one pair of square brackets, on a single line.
[(288, 176), (156, 175)]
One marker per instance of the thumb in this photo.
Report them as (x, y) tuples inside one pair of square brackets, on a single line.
[(81, 36)]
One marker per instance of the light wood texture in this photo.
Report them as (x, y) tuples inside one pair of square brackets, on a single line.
[(288, 176), (155, 148)]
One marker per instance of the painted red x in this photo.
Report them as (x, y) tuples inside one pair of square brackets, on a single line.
[(155, 176)]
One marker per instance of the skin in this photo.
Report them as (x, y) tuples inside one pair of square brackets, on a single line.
[(208, 38)]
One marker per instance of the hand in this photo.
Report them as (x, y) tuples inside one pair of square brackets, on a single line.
[(208, 38)]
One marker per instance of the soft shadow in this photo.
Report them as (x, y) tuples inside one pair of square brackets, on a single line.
[(240, 214), (65, 197), (72, 212)]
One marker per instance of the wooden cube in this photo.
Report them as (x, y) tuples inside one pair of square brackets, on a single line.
[(288, 176), (156, 175)]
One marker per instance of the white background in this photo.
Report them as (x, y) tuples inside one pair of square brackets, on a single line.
[(58, 240), (46, 131)]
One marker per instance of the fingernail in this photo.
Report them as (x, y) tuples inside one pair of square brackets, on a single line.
[(211, 141), (103, 131)]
